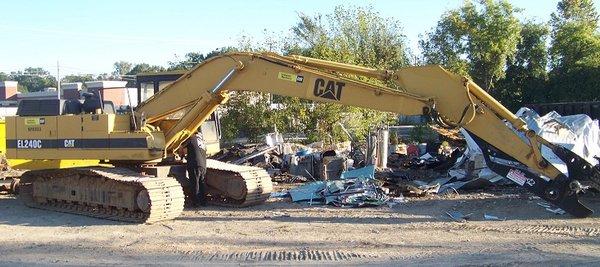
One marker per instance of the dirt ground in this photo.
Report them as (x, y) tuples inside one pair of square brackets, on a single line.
[(280, 232)]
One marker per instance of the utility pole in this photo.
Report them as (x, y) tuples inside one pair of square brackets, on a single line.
[(57, 79)]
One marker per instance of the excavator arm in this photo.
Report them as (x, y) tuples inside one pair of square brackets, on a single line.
[(509, 147), (202, 89)]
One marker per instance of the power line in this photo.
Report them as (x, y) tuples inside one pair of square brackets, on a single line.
[(21, 71), (36, 32)]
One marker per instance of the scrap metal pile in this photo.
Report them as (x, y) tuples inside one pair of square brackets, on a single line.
[(291, 162), (465, 168), (354, 192), (346, 175)]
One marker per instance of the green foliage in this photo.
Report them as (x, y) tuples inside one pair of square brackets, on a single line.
[(124, 68), (445, 46), (582, 84), (192, 59), (512, 63), (121, 68), (247, 114), (574, 52), (358, 36), (580, 11), (352, 35), (291, 114), (33, 79), (531, 50), (105, 77), (422, 134), (393, 138), (526, 74), (77, 78), (145, 68), (576, 43), (476, 39)]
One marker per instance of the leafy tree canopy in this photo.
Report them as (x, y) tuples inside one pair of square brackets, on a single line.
[(477, 39)]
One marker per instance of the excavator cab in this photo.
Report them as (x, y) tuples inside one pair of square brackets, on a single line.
[(92, 104)]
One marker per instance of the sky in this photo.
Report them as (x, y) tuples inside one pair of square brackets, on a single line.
[(87, 37)]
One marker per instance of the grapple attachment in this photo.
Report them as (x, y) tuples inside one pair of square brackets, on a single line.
[(563, 191)]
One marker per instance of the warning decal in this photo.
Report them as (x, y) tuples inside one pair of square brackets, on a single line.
[(290, 77), (517, 177)]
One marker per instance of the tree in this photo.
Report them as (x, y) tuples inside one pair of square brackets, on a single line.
[(580, 11), (145, 68), (104, 77), (192, 59), (352, 35), (575, 52), (358, 36), (121, 68), (254, 110), (33, 79), (77, 78), (526, 74), (575, 40), (475, 39), (251, 110), (3, 77), (577, 85)]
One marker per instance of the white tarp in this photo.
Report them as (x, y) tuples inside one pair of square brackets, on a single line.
[(578, 133)]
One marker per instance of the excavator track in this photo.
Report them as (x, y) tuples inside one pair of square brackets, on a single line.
[(9, 177), (117, 194), (237, 186)]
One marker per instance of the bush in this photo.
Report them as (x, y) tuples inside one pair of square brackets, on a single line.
[(423, 134)]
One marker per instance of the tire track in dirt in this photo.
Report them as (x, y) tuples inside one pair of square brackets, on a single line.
[(274, 256), (571, 231)]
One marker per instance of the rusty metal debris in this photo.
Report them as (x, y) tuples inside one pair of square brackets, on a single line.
[(353, 192), (458, 216), (490, 217)]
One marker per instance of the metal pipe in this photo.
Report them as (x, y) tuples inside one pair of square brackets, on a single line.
[(224, 80), (383, 136), (494, 105), (325, 64), (371, 148), (253, 155), (131, 110)]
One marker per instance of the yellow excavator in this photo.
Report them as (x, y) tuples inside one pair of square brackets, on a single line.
[(142, 144)]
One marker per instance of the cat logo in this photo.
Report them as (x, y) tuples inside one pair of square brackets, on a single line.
[(35, 121), (69, 143), (329, 89)]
